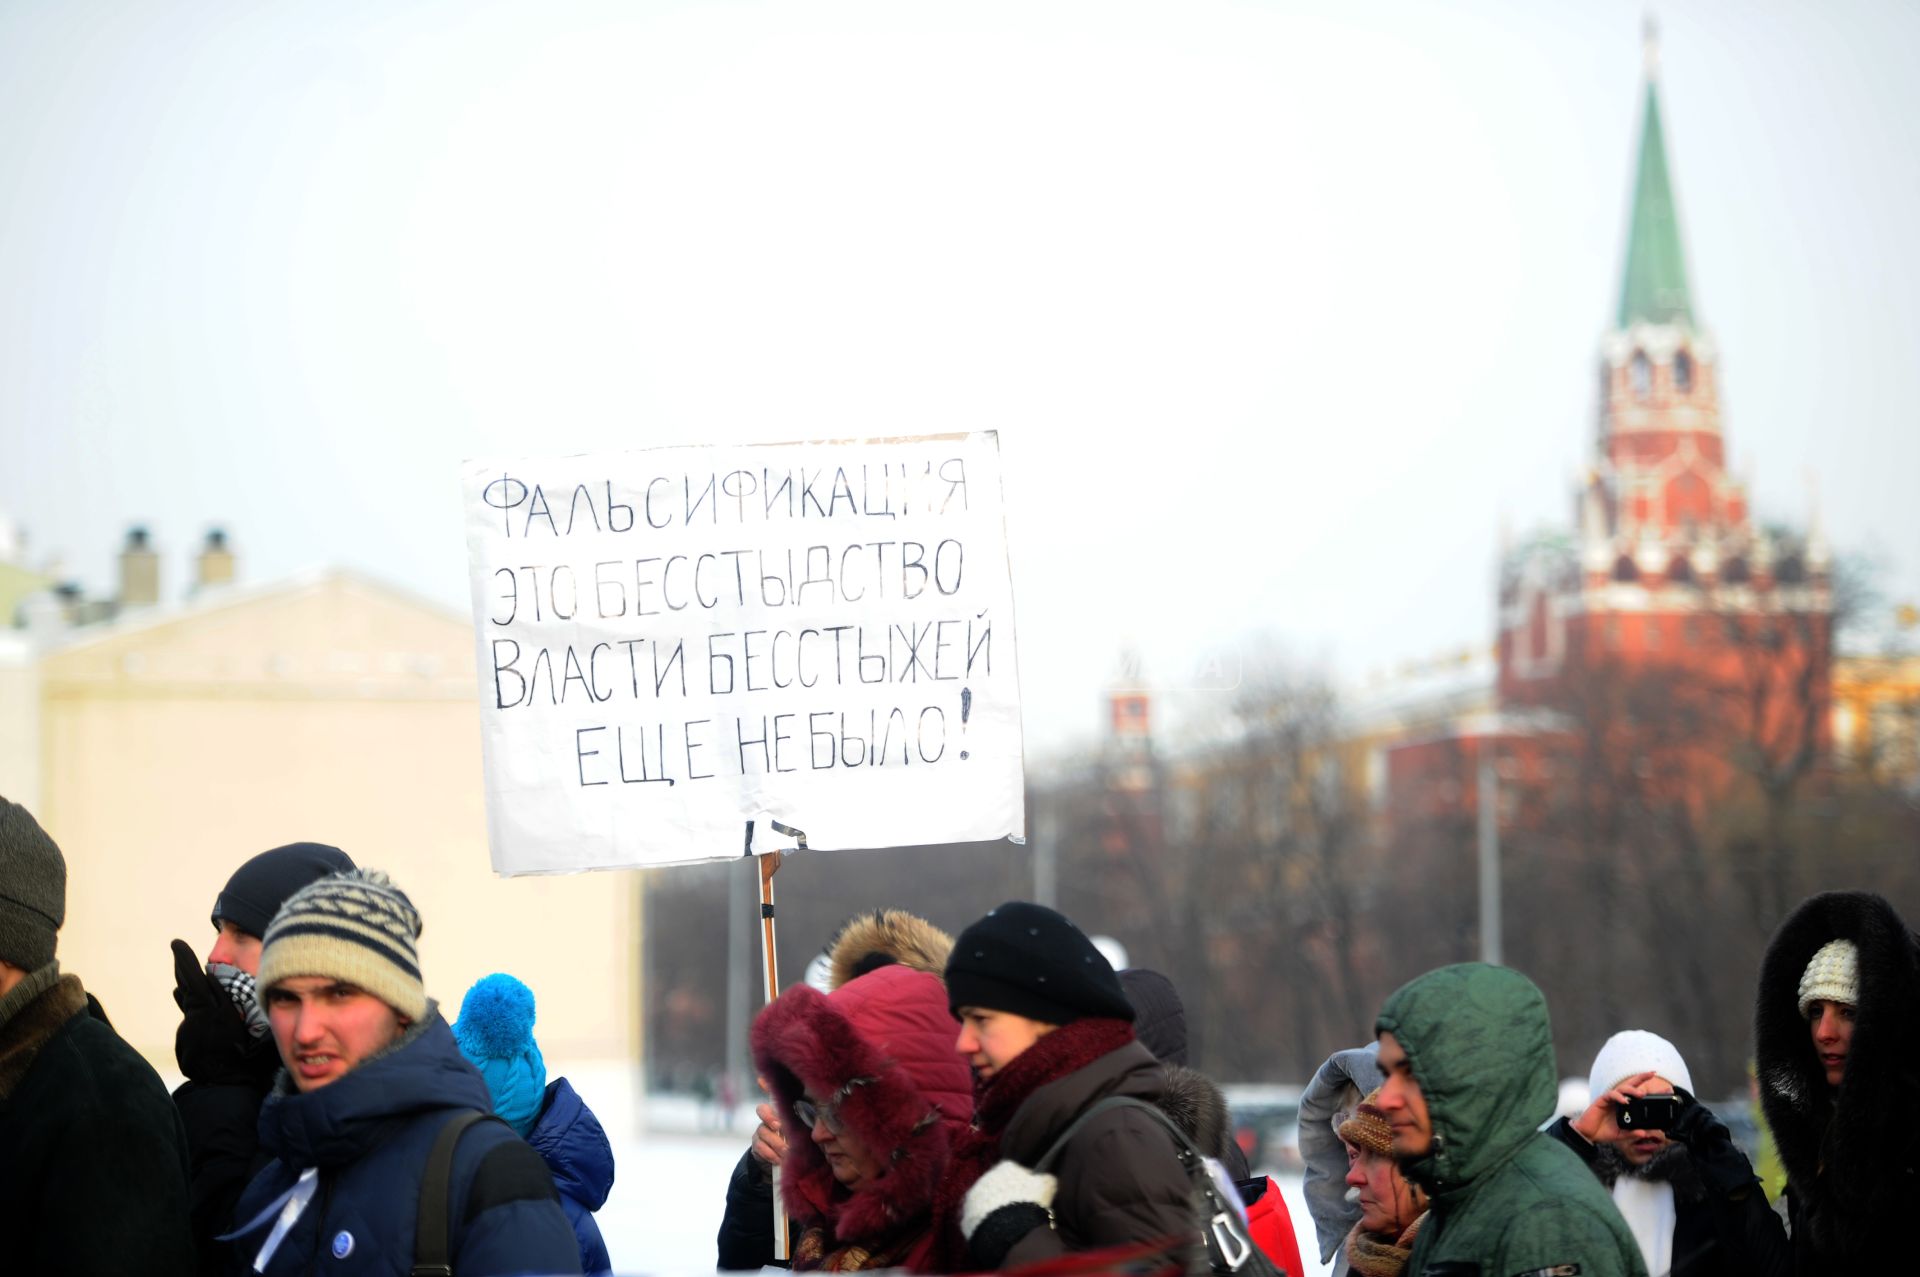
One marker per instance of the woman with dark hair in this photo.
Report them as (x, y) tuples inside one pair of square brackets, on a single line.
[(1837, 1046)]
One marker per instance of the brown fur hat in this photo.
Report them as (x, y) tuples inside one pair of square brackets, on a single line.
[(884, 937)]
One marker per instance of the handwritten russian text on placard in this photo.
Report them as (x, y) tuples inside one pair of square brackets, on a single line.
[(673, 642)]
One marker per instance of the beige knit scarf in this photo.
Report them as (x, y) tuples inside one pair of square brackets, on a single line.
[(1373, 1256)]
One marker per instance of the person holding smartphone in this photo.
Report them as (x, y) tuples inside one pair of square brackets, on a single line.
[(1687, 1193)]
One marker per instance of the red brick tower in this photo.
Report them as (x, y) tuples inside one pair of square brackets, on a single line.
[(1666, 570)]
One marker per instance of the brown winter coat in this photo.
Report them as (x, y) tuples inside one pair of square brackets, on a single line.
[(1120, 1178)]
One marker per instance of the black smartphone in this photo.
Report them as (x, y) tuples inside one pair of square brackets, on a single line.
[(1650, 1113)]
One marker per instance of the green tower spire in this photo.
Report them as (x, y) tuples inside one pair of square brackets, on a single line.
[(1654, 288)]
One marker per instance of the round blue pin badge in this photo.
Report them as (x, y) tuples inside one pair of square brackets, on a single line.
[(342, 1244)]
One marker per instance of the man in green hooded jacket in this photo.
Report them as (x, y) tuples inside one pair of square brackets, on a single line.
[(1468, 1054)]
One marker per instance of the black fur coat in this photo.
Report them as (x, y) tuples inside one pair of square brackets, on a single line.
[(1851, 1152)]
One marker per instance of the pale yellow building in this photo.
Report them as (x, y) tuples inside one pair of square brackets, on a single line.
[(1876, 716), (163, 748)]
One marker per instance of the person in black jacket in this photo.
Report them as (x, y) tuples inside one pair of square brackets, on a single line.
[(1837, 1051), (1160, 1025), (93, 1163), (1689, 1196), (223, 1045)]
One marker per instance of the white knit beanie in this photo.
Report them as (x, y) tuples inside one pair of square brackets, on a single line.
[(355, 927), (1632, 1051), (1832, 976)]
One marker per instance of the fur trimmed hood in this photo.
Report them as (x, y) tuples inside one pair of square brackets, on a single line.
[(869, 941), (33, 1026), (1672, 1165), (881, 1048), (1197, 1107), (1849, 1151)]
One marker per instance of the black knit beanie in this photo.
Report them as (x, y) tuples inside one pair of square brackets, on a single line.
[(1029, 960), (33, 889), (258, 888)]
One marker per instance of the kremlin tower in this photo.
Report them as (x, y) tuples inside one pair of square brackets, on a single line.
[(1665, 566), (1664, 611)]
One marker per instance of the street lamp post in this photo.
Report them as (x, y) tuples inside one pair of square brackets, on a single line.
[(1489, 859)]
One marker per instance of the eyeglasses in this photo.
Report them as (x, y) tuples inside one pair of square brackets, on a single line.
[(811, 1114)]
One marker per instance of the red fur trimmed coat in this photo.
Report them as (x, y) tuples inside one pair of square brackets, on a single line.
[(879, 1048)]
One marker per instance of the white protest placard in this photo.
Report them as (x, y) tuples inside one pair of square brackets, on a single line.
[(675, 641)]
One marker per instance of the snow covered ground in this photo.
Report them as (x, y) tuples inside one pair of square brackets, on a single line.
[(670, 1181)]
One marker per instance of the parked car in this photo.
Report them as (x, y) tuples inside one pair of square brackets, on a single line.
[(1266, 1125)]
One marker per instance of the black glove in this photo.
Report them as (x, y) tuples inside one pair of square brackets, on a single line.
[(212, 1043), (1722, 1166), (1696, 1125)]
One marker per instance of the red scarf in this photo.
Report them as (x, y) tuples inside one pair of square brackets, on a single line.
[(1067, 1049)]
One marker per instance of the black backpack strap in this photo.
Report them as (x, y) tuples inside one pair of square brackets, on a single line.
[(1227, 1245), (432, 1243), (1107, 1105)]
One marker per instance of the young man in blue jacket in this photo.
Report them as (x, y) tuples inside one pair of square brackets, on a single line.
[(371, 1077)]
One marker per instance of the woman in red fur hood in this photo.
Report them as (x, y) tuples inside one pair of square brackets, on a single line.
[(873, 1064)]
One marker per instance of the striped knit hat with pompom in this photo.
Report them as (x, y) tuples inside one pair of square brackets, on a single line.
[(355, 927), (495, 1033)]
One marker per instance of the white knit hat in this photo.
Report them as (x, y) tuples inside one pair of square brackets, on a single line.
[(1832, 976), (1632, 1051)]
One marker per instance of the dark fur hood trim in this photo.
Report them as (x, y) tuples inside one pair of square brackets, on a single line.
[(885, 936), (1197, 1107), (23, 1037), (881, 1048), (1849, 1144), (1675, 1164)]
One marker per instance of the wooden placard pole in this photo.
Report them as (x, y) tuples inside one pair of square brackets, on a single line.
[(769, 866)]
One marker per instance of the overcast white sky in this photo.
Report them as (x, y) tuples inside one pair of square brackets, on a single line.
[(1280, 309)]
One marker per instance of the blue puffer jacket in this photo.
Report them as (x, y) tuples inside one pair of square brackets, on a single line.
[(569, 1138), (369, 1134)]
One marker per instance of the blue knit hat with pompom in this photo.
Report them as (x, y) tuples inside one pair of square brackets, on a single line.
[(495, 1032)]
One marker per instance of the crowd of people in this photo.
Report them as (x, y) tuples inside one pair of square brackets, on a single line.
[(1000, 1100)]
